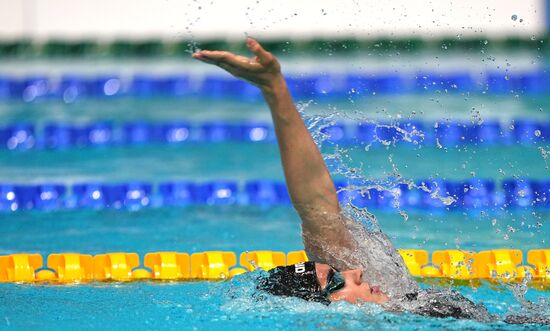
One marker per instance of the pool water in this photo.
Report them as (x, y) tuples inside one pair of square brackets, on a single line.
[(195, 229), (233, 304), (214, 306)]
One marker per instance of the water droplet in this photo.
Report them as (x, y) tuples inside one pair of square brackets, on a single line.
[(447, 201)]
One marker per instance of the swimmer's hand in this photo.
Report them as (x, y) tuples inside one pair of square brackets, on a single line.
[(263, 70)]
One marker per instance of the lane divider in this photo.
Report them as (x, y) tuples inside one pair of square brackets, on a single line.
[(426, 194), (71, 87), (125, 48), (493, 265), (54, 136)]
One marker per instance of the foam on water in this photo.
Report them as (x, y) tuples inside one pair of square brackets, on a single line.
[(239, 297)]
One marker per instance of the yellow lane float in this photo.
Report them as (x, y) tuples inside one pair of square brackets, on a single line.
[(19, 267), (296, 257), (493, 265), (540, 259), (71, 267), (455, 264), (414, 259), (266, 260), (168, 265), (212, 265), (115, 266)]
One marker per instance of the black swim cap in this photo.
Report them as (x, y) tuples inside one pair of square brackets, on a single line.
[(298, 280)]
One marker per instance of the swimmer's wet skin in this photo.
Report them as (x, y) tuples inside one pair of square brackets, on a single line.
[(331, 240)]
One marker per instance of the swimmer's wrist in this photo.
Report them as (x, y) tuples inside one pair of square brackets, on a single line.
[(274, 87)]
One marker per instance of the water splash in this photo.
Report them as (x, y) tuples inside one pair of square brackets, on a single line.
[(545, 154), (353, 239), (339, 160), (347, 241), (192, 17)]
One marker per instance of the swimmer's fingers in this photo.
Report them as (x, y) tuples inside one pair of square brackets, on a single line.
[(222, 57), (202, 58), (263, 56), (207, 57), (222, 64)]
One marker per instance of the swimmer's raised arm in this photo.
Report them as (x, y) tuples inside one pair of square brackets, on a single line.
[(308, 180), (328, 236)]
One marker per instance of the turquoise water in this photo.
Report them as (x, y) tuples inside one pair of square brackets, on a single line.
[(232, 305), (239, 229), (211, 306), (240, 162)]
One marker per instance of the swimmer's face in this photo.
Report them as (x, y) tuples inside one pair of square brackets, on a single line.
[(355, 289)]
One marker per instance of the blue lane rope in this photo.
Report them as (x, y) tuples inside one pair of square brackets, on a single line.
[(24, 136), (452, 195), (71, 87)]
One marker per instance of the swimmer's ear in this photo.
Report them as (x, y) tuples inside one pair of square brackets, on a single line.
[(264, 57)]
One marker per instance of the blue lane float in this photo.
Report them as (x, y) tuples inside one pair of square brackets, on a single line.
[(19, 136), (138, 133), (88, 195), (266, 193), (70, 87), (445, 82), (520, 193), (23, 136), (480, 193), (434, 195), (487, 133), (178, 193), (336, 133)]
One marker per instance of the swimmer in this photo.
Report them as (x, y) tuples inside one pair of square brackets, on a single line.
[(352, 263)]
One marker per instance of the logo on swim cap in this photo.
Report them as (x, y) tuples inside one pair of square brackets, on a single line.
[(299, 267)]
